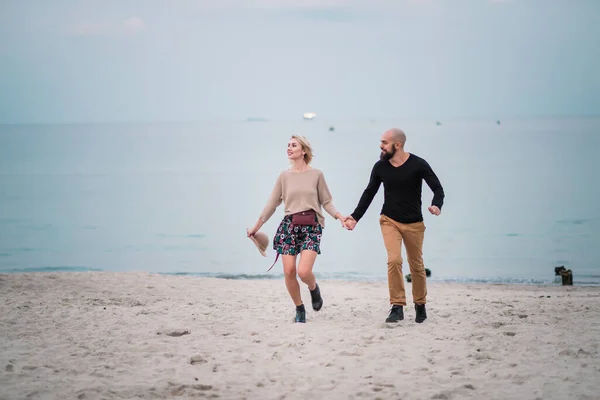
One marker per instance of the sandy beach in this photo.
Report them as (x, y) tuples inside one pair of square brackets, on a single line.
[(104, 335)]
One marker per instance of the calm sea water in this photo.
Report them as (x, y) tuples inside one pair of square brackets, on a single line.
[(521, 197)]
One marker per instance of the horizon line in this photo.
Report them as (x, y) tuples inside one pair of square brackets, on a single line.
[(256, 119)]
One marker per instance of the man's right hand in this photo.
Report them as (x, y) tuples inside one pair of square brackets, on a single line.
[(350, 223)]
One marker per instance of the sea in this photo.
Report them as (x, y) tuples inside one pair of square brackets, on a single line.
[(176, 198)]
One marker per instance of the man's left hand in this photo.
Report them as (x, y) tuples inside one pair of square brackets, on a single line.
[(434, 210)]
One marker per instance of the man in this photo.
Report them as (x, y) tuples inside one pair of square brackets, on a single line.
[(401, 220)]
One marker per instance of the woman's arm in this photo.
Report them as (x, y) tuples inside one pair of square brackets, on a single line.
[(273, 202), (326, 199)]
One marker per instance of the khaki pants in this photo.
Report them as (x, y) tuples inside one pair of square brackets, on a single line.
[(394, 233)]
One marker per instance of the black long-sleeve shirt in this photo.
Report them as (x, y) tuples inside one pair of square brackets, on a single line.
[(402, 189)]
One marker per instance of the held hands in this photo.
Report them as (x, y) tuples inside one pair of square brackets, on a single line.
[(434, 210), (342, 219), (349, 223)]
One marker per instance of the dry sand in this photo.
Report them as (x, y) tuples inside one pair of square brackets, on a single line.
[(103, 335)]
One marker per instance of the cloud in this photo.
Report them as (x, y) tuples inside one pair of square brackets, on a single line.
[(333, 10), (320, 10), (329, 4), (87, 29), (321, 14), (130, 26), (303, 4), (133, 24)]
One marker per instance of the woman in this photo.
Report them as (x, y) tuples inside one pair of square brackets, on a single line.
[(303, 191)]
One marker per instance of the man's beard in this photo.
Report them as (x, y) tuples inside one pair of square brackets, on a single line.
[(387, 155)]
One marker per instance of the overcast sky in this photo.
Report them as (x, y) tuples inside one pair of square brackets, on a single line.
[(172, 60)]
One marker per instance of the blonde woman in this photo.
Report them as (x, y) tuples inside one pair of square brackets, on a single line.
[(303, 191)]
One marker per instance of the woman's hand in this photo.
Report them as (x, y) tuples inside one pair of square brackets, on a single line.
[(252, 231), (341, 218)]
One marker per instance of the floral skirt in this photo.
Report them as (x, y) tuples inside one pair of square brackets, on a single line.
[(291, 239)]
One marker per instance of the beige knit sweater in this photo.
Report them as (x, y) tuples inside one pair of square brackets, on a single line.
[(300, 191)]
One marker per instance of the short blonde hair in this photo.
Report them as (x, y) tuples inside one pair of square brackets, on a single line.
[(306, 147)]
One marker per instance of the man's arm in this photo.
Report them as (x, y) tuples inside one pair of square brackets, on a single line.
[(368, 194), (434, 184)]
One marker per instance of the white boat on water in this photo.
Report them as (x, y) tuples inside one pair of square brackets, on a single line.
[(309, 115)]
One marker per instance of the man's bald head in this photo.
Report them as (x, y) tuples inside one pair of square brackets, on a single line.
[(396, 135), (392, 140)]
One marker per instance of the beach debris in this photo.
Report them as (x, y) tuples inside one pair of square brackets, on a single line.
[(565, 274), (174, 332), (567, 277), (427, 274), (557, 270)]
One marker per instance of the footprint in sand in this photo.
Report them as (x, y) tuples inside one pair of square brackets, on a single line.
[(378, 387), (356, 353), (174, 332), (181, 390), (197, 360)]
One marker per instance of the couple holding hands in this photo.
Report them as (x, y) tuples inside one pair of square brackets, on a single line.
[(304, 192)]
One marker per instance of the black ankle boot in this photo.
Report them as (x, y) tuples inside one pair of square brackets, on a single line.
[(396, 314), (317, 300), (421, 313), (300, 314)]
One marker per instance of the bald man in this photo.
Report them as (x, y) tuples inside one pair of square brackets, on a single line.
[(401, 219)]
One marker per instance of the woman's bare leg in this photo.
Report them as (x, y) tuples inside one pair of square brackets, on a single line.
[(291, 282), (305, 267)]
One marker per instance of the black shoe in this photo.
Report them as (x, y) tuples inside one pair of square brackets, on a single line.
[(317, 300), (421, 313), (396, 314), (300, 314)]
